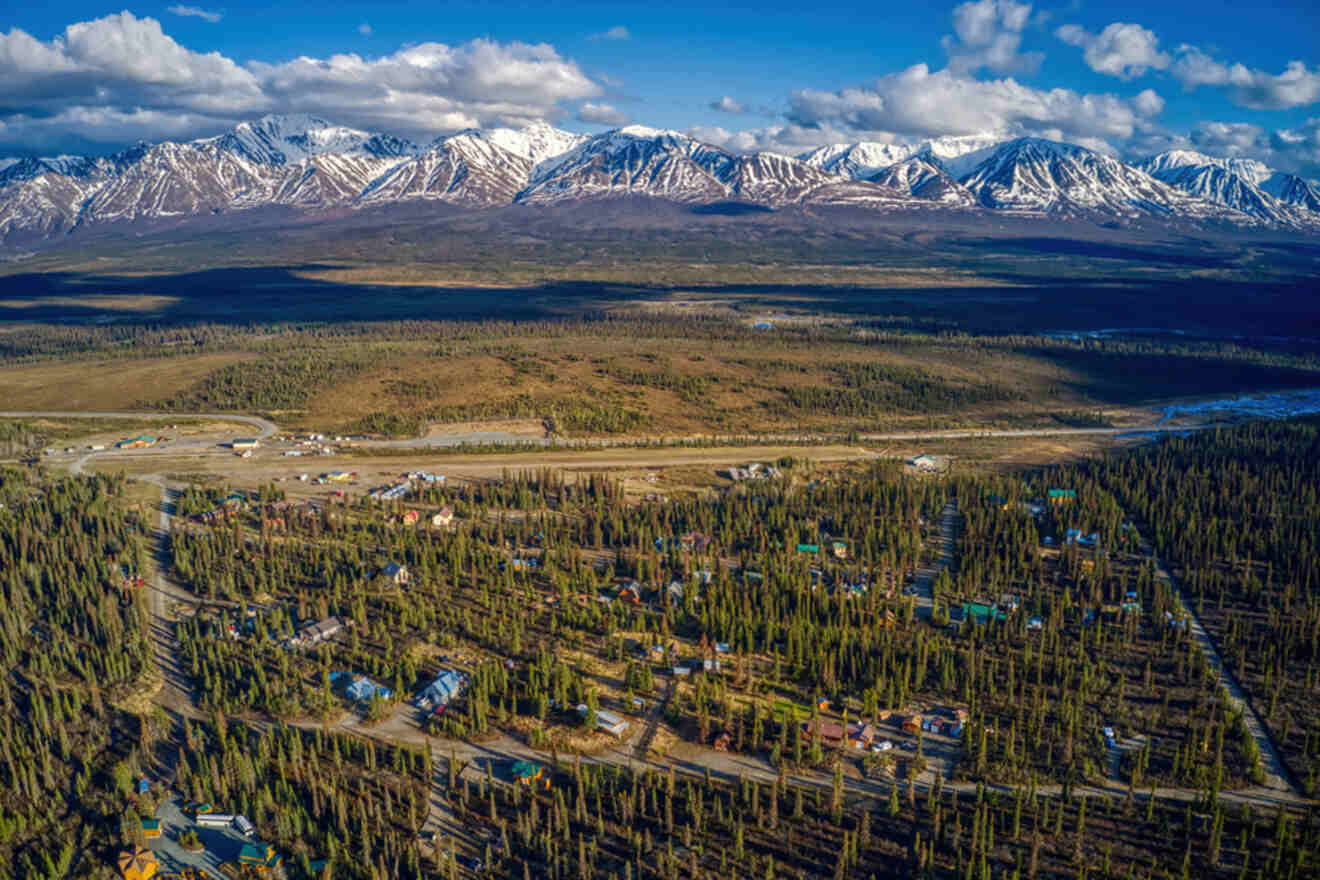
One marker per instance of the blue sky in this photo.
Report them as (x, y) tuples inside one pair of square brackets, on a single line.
[(1127, 78)]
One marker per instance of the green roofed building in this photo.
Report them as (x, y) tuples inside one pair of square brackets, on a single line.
[(980, 614), (260, 856), (808, 548), (1061, 496)]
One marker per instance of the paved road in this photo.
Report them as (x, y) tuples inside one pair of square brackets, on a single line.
[(264, 427)]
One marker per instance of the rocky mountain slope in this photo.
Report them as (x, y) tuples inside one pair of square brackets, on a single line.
[(310, 164)]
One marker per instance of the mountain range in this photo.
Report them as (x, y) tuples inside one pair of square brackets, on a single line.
[(309, 164)]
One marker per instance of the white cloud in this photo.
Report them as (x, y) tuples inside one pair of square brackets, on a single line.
[(728, 105), (1297, 86), (988, 33), (1123, 50), (364, 29), (917, 102), (121, 67), (602, 114), (1148, 103), (618, 32), (196, 12)]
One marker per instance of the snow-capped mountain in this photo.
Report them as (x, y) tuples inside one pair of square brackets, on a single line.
[(310, 164), (466, 168), (1244, 185), (1032, 174), (924, 177), (859, 161)]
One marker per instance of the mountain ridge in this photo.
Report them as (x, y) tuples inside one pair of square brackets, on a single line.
[(310, 164)]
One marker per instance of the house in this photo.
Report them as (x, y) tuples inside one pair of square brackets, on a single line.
[(721, 741), (137, 863), (606, 722), (910, 723), (925, 463), (981, 614), (150, 828), (721, 647), (259, 857), (831, 732), (444, 517), (141, 441), (839, 549), (363, 689), (396, 573), (410, 518), (1036, 624), (1062, 496), (861, 735), (447, 685), (244, 443), (530, 773), (630, 595), (315, 633), (1075, 536)]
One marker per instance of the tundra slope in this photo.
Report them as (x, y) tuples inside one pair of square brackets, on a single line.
[(310, 165)]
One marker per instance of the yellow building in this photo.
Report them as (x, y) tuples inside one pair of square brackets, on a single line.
[(137, 863)]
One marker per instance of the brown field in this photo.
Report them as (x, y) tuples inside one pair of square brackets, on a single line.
[(103, 386)]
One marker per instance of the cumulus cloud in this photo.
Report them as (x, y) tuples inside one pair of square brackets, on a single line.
[(988, 34), (602, 114), (728, 105), (1297, 86), (918, 102), (120, 65), (196, 12), (618, 32), (1123, 50), (1148, 103)]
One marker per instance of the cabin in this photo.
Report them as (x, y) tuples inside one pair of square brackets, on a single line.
[(443, 518), (839, 549), (910, 723), (151, 828), (830, 732), (721, 741), (1062, 496)]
